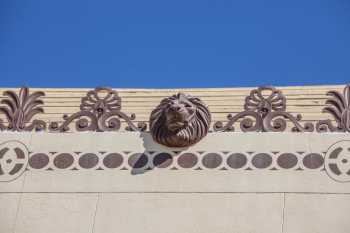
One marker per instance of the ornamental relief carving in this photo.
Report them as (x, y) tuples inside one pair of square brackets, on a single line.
[(100, 110), (16, 158), (178, 121), (264, 111), (338, 106), (19, 109)]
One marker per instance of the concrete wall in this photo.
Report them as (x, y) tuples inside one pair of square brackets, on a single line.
[(124, 182)]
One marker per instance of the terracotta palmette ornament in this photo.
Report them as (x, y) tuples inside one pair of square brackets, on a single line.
[(19, 110), (338, 105)]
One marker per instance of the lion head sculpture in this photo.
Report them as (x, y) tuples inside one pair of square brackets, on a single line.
[(180, 120)]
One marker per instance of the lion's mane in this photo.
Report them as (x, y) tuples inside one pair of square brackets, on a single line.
[(194, 131)]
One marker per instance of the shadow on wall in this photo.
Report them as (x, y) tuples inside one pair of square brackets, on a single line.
[(150, 159)]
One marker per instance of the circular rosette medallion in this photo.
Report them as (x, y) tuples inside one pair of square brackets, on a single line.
[(337, 161), (13, 160)]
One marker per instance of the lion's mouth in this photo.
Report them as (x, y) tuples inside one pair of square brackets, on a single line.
[(174, 126), (176, 121)]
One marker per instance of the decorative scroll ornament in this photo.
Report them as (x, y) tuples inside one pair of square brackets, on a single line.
[(100, 110), (339, 108), (265, 110), (180, 120), (20, 109)]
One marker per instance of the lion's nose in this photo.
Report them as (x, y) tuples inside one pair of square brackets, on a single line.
[(175, 108)]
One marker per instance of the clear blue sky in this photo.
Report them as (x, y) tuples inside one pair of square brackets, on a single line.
[(178, 43)]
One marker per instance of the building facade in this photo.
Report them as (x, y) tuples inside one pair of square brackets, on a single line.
[(206, 160)]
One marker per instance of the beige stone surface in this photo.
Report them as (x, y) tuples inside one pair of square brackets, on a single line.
[(56, 213), (190, 213), (13, 186), (317, 213), (183, 181), (8, 211), (60, 142)]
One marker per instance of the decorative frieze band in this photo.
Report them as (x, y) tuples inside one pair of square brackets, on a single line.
[(179, 121), (16, 158), (176, 160)]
